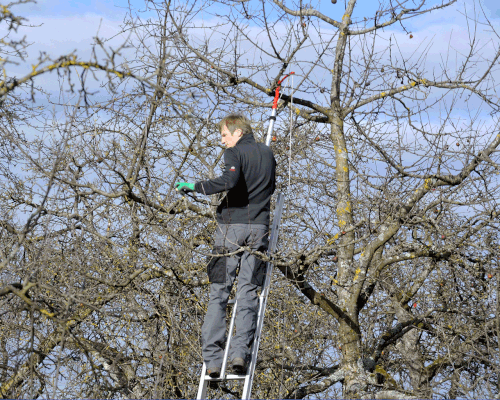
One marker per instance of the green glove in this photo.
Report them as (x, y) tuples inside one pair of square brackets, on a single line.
[(184, 187)]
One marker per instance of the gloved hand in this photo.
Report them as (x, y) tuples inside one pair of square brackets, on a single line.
[(184, 187)]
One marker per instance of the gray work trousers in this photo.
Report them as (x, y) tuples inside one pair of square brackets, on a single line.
[(222, 273)]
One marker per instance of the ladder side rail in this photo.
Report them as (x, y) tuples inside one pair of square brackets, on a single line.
[(255, 347), (228, 339), (273, 240), (202, 387), (247, 388)]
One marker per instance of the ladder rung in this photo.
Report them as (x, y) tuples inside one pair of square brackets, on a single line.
[(229, 377)]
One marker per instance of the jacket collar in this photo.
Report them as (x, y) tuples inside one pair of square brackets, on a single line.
[(245, 139)]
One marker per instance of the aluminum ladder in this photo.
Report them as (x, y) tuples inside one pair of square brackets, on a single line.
[(248, 377)]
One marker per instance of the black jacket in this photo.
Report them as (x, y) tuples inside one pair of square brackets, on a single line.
[(249, 177)]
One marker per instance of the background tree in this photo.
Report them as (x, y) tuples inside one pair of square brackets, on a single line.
[(387, 263)]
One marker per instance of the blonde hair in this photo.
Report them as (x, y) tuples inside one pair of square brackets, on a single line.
[(236, 121)]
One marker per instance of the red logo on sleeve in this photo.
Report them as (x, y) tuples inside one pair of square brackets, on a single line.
[(233, 169)]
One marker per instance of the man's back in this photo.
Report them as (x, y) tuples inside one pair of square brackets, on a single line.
[(249, 177), (249, 202)]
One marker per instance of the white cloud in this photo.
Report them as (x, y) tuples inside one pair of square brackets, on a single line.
[(61, 35), (58, 36)]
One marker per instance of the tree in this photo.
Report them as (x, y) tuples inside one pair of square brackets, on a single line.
[(387, 283)]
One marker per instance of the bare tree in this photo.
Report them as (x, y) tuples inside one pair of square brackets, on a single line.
[(387, 282), (387, 194)]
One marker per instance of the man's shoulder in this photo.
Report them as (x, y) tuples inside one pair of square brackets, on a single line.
[(263, 147), (267, 150), (231, 152), (250, 147)]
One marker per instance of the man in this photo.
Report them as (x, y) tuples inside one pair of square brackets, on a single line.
[(243, 220)]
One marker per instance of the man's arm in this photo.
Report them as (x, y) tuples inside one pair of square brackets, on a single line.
[(227, 180)]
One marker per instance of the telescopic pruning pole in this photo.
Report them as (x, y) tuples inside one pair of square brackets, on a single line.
[(272, 119)]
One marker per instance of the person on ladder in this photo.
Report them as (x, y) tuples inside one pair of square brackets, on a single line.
[(242, 220)]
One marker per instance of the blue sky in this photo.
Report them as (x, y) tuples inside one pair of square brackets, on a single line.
[(60, 8), (67, 25), (60, 27), (115, 9)]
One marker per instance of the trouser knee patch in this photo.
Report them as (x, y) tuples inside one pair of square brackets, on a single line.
[(216, 267), (259, 272)]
